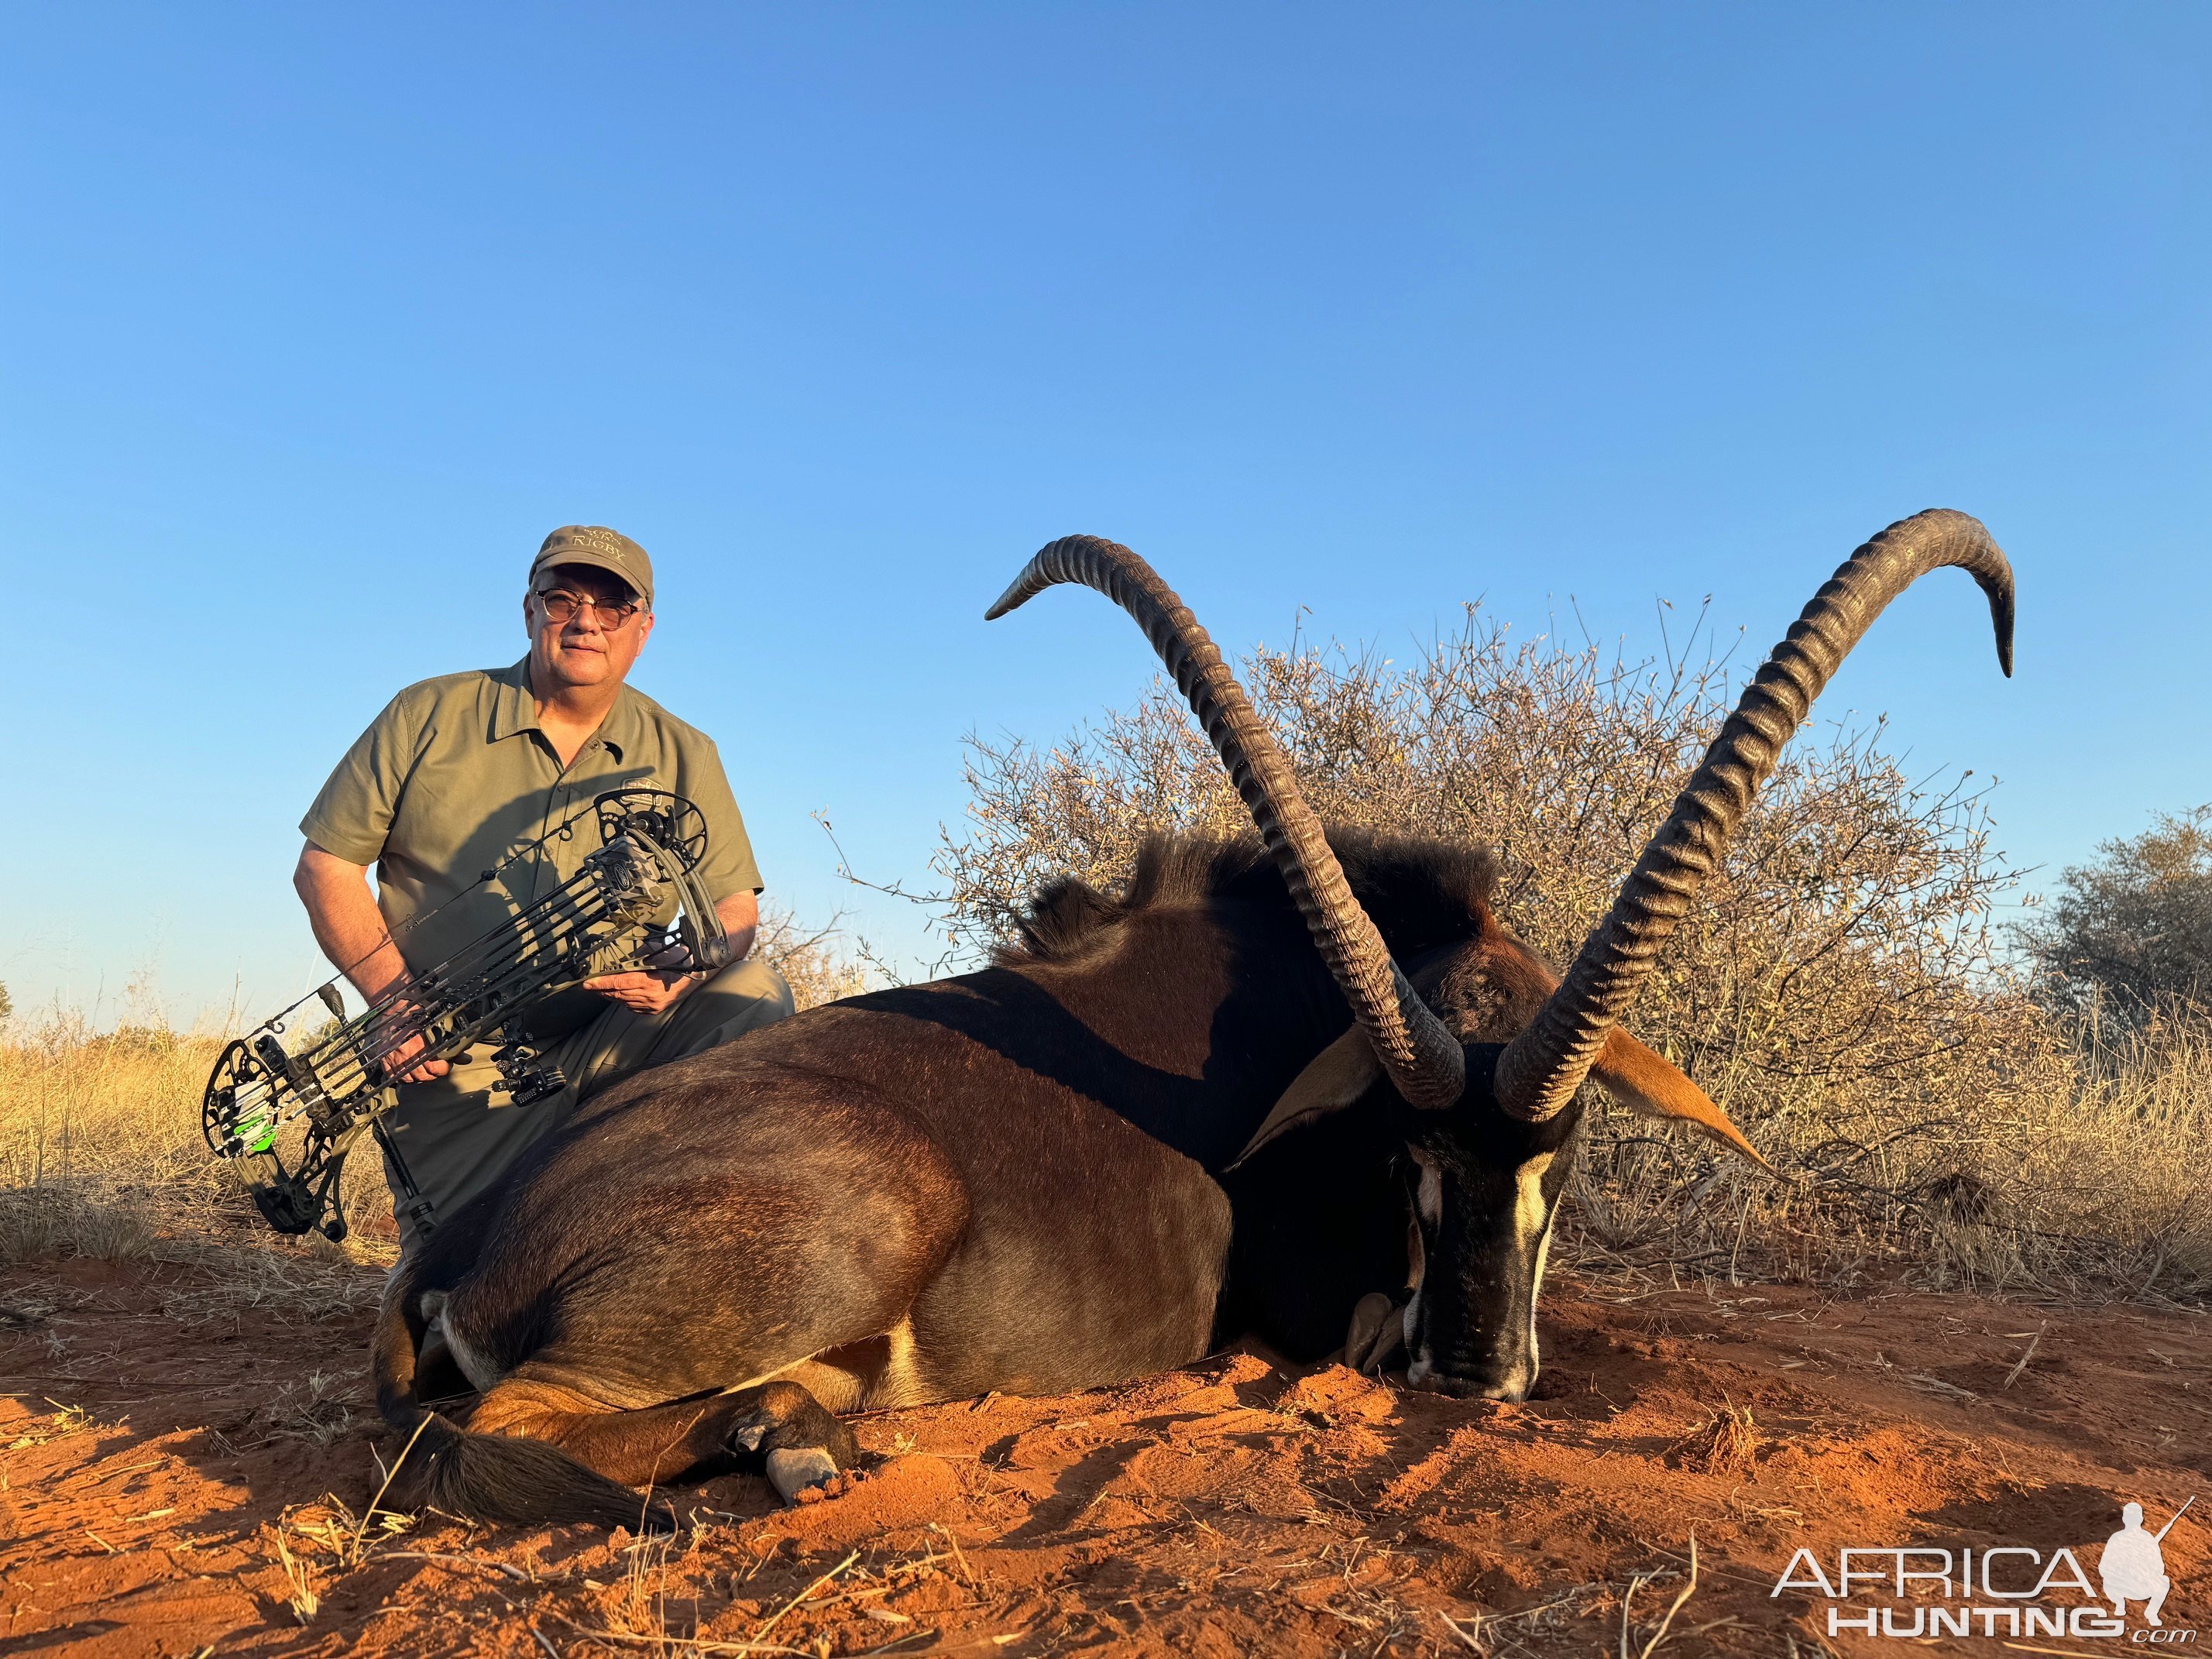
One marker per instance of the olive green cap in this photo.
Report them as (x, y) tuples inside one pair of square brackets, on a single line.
[(603, 549)]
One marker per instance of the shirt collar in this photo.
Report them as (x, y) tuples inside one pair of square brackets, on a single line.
[(515, 711)]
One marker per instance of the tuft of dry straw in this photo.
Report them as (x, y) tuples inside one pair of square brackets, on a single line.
[(1725, 1444), (304, 1600)]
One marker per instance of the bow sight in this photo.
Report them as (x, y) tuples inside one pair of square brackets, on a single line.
[(338, 1080)]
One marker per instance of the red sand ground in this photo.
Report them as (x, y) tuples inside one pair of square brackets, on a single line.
[(1227, 1509)]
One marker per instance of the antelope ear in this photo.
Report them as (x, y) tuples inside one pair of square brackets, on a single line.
[(1647, 1083), (1333, 1079)]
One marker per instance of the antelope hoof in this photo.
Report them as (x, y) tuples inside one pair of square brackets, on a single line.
[(1366, 1324), (800, 1470), (804, 1445), (1376, 1335)]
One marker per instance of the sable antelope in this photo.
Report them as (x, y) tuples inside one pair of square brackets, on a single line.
[(1160, 1120)]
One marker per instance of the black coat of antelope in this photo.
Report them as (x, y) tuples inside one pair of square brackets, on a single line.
[(1303, 1088)]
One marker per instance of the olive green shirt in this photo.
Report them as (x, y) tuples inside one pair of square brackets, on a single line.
[(455, 778)]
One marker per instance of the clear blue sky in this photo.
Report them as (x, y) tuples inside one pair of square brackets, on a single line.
[(313, 320)]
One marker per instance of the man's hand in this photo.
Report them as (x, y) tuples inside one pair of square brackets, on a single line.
[(401, 1030), (668, 976), (646, 992), (665, 980)]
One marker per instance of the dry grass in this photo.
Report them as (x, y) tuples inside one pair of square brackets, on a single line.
[(99, 1145), (650, 1605), (65, 1421), (101, 1157), (76, 1219), (313, 1409), (1838, 988), (2082, 1179), (77, 1101)]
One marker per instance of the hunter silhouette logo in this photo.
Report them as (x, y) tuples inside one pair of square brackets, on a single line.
[(2133, 1566), (1921, 1592)]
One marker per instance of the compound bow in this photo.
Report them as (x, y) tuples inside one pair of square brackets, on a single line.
[(339, 1081)]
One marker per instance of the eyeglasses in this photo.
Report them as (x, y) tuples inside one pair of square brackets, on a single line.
[(561, 606)]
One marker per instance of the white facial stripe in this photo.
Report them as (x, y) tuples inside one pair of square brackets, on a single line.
[(1422, 1364), (1529, 1210), (1536, 1290), (1428, 1206), (1429, 1210), (1531, 1217)]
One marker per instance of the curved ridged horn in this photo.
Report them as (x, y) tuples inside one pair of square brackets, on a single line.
[(1422, 1057), (1542, 1068)]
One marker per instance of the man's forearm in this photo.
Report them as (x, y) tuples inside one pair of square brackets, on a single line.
[(739, 914), (352, 931), (348, 925)]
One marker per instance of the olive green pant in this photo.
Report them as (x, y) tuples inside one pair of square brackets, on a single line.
[(459, 1138)]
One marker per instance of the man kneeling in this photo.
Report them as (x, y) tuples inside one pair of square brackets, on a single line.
[(458, 775)]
